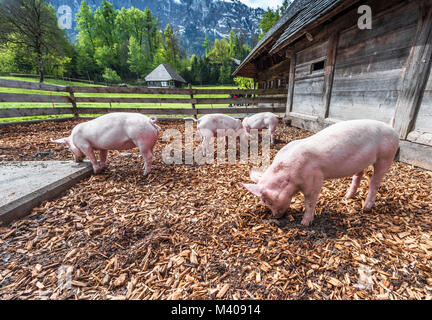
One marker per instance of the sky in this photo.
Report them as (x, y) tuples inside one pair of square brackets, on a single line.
[(263, 3)]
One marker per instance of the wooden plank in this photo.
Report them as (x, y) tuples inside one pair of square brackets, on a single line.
[(291, 81), (423, 120), (177, 91), (178, 100), (374, 81), (240, 100), (131, 100), (192, 99), (74, 104), (179, 111), (25, 112), (29, 112), (26, 122), (420, 137), (15, 84), (388, 22), (317, 51), (309, 85), (18, 97), (394, 59), (241, 110), (138, 110), (416, 154), (329, 73), (416, 74)]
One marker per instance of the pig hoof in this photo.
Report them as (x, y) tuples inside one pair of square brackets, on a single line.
[(97, 170), (367, 207), (307, 221)]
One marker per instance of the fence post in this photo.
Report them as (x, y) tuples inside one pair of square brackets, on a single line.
[(73, 101), (193, 104)]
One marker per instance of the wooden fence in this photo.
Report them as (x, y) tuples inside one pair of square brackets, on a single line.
[(75, 95)]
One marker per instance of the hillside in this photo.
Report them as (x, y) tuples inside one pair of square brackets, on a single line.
[(193, 19)]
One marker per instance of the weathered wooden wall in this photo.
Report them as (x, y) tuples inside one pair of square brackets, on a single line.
[(376, 74), (309, 85), (370, 64)]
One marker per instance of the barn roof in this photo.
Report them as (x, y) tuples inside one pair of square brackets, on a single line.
[(299, 15), (164, 72)]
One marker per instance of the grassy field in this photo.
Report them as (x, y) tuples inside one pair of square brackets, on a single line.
[(102, 95)]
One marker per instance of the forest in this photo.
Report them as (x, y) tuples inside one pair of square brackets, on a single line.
[(112, 46)]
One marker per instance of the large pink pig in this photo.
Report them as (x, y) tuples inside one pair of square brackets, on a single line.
[(343, 149), (209, 125), (263, 120), (113, 131)]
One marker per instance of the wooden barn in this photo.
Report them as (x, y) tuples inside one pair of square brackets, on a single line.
[(334, 69), (164, 77)]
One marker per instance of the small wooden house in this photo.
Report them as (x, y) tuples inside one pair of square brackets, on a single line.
[(334, 68), (164, 77)]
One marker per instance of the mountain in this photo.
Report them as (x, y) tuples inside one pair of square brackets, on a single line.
[(193, 19)]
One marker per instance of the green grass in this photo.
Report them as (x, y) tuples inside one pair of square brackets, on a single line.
[(101, 95)]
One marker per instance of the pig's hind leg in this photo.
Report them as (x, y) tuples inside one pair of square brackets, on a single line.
[(354, 185), (380, 168), (146, 151), (311, 191)]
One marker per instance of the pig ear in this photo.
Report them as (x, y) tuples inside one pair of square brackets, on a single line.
[(254, 188), (255, 175)]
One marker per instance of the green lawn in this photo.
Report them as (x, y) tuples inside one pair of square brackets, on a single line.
[(100, 105)]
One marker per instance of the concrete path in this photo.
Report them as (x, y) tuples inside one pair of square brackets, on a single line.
[(24, 185)]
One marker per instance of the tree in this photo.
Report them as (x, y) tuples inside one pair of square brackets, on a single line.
[(220, 52), (206, 45), (32, 26), (268, 20), (284, 7), (234, 45), (169, 51)]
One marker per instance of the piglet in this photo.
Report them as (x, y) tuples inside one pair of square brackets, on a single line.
[(209, 125), (263, 120), (113, 131), (343, 149)]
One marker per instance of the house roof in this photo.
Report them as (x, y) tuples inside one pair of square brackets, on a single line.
[(299, 15), (164, 72)]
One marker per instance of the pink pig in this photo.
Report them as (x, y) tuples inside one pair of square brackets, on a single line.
[(263, 120), (113, 131), (209, 124), (343, 149)]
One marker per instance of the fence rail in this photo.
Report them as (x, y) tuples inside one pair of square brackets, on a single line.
[(248, 100)]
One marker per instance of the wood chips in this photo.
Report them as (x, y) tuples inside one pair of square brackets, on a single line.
[(192, 232)]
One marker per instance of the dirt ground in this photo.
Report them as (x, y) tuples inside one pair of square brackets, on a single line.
[(192, 232)]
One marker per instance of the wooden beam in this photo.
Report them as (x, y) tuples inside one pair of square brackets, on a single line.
[(329, 72), (416, 74), (18, 97), (5, 83), (30, 112), (192, 99), (291, 80), (26, 112)]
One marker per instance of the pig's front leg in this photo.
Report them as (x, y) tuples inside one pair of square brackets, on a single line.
[(88, 151), (311, 193), (103, 158)]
